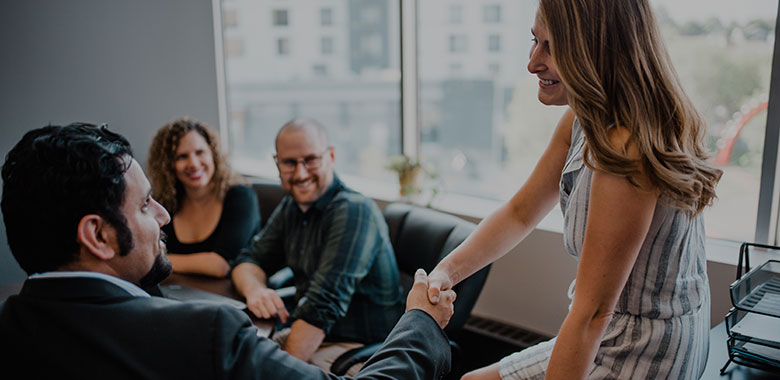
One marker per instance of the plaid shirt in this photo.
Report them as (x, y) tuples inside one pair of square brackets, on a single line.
[(345, 272)]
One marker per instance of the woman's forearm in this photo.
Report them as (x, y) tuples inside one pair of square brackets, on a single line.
[(206, 263), (493, 238), (576, 346)]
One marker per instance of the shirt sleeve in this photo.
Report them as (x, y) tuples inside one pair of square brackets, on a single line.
[(416, 350), (241, 354), (266, 249), (240, 221), (347, 256)]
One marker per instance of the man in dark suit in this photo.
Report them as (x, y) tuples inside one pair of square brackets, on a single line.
[(81, 222)]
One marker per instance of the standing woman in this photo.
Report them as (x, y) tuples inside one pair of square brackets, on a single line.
[(627, 165), (213, 217)]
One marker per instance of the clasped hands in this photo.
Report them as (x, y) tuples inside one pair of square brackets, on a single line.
[(266, 303), (441, 310)]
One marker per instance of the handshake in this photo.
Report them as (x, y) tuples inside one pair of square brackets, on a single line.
[(441, 311)]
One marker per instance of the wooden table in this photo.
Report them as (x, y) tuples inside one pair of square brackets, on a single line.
[(223, 287), (719, 355)]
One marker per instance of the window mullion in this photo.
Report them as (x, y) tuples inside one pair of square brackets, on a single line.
[(766, 223), (219, 55), (410, 126)]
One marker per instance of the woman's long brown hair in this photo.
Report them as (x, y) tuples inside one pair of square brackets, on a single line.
[(612, 60)]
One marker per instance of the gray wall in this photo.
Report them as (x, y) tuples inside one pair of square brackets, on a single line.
[(131, 64)]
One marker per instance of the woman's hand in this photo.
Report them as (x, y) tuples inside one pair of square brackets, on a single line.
[(438, 282), (205, 263)]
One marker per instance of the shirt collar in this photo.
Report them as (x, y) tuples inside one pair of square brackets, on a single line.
[(125, 285), (329, 194)]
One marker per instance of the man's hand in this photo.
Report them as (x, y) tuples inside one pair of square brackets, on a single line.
[(265, 303), (438, 281), (418, 299), (249, 280)]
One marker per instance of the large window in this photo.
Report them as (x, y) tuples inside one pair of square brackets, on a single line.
[(338, 64), (475, 117), (481, 125), (722, 51)]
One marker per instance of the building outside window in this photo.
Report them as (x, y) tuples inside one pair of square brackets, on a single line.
[(229, 18), (456, 14), (283, 46), (234, 47), (280, 17), (326, 17), (494, 43), (458, 43), (369, 14), (491, 14), (494, 68), (326, 45), (320, 70)]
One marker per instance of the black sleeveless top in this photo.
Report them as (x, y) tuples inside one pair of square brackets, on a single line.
[(239, 222)]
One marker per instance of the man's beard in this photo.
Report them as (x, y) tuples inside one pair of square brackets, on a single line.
[(161, 268)]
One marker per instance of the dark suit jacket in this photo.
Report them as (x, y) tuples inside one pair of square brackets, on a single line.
[(90, 328)]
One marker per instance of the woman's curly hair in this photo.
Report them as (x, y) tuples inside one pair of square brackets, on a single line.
[(166, 188)]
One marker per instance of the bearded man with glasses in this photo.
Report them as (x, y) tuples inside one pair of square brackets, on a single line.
[(336, 242)]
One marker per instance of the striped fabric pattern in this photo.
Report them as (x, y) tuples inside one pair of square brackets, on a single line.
[(660, 329)]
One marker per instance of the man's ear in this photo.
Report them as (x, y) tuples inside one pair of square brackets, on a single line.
[(97, 236)]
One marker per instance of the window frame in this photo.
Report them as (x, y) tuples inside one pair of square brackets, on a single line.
[(769, 192)]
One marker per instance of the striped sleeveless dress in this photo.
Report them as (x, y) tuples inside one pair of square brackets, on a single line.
[(660, 329)]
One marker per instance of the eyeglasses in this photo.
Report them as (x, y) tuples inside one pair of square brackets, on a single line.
[(309, 162)]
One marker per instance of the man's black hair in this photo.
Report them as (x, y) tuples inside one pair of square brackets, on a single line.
[(52, 178)]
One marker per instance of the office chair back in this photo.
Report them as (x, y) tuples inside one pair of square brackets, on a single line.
[(268, 196), (422, 237)]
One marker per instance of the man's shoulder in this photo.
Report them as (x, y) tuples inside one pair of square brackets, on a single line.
[(188, 315), (350, 196), (135, 308), (193, 333)]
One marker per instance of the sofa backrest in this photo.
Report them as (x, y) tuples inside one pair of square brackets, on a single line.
[(268, 196), (422, 237)]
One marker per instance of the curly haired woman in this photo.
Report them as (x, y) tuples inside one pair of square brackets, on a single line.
[(627, 164), (213, 217)]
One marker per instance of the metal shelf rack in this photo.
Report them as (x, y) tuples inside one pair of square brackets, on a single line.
[(753, 324)]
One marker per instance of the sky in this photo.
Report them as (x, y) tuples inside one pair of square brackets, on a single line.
[(727, 10)]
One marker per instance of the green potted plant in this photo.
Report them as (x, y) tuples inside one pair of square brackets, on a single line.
[(411, 172)]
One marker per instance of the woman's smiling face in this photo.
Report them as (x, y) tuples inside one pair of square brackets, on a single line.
[(552, 92)]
